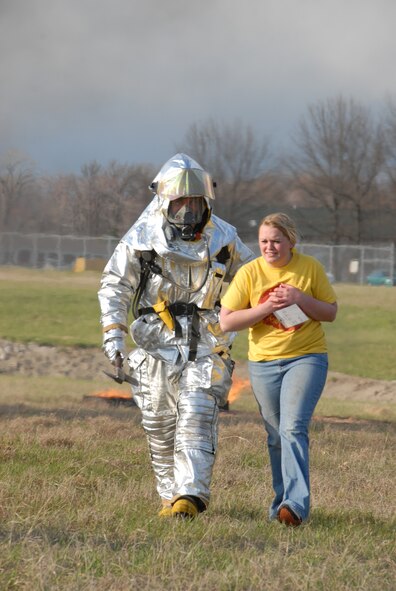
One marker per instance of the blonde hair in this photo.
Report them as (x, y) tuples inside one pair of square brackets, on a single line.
[(284, 223)]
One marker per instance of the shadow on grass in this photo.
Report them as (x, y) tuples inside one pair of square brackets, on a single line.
[(92, 409), (10, 411), (319, 423), (57, 536), (241, 513), (257, 532), (334, 520), (320, 519), (238, 417)]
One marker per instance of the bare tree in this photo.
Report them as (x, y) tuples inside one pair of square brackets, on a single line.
[(99, 201), (127, 194), (17, 179), (340, 154), (87, 208), (57, 196), (390, 135), (239, 163)]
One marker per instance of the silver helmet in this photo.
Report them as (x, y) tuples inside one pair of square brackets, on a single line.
[(185, 190)]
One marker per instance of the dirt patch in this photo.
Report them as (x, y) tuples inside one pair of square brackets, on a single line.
[(347, 387), (37, 360)]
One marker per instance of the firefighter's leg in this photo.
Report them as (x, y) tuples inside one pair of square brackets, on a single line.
[(160, 432), (157, 402), (203, 386)]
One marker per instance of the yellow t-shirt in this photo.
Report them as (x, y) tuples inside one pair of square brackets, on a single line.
[(268, 339)]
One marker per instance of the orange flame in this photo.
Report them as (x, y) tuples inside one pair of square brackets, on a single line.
[(238, 386), (112, 393)]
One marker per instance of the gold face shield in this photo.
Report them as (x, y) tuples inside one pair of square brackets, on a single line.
[(190, 182)]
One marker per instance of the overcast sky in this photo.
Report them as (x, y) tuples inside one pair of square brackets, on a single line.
[(123, 80)]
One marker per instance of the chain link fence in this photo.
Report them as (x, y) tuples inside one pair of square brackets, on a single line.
[(52, 250), (348, 263), (343, 263)]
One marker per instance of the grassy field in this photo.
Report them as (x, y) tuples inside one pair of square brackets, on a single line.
[(61, 308), (78, 508)]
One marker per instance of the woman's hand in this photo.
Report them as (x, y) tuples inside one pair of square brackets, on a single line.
[(286, 295)]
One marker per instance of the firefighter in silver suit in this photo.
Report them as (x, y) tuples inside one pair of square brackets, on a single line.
[(169, 270)]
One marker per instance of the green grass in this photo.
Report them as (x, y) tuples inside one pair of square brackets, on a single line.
[(362, 339), (61, 308), (50, 307)]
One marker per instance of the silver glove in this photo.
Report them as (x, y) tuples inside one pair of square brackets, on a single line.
[(114, 344)]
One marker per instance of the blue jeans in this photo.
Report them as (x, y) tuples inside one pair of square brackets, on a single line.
[(287, 391)]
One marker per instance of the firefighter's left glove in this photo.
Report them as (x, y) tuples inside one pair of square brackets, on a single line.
[(114, 344)]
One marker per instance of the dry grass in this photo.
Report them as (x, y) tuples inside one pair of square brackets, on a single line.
[(78, 508), (78, 505)]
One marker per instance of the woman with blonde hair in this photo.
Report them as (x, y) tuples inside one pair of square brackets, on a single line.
[(283, 297)]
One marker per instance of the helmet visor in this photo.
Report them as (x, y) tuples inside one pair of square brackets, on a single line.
[(186, 210), (186, 183)]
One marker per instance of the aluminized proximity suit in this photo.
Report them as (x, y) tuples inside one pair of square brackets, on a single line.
[(182, 359)]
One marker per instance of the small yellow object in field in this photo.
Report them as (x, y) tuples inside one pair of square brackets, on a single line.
[(82, 264)]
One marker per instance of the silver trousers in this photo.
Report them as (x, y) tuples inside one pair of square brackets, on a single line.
[(179, 405)]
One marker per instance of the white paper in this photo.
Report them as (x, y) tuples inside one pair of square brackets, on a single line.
[(291, 316)]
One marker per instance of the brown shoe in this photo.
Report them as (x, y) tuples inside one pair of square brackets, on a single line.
[(288, 517)]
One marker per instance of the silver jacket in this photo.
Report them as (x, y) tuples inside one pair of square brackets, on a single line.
[(183, 267)]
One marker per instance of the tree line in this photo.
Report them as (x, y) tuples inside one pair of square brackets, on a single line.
[(337, 179)]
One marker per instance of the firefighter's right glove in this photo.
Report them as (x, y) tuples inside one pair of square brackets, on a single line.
[(114, 344)]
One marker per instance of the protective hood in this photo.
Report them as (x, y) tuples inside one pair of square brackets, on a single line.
[(182, 176), (185, 191)]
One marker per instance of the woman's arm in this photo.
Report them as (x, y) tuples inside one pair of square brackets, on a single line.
[(231, 320), (318, 310)]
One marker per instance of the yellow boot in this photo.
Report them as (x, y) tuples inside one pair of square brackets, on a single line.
[(185, 508), (166, 510)]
